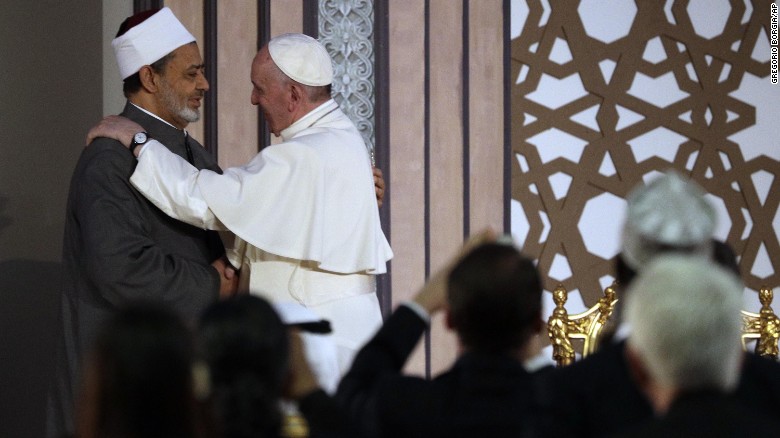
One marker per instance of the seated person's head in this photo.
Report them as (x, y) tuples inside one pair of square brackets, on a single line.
[(684, 313), (670, 214), (138, 378), (245, 345), (494, 296)]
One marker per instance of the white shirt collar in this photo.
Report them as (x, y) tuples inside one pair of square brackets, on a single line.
[(158, 117), (309, 119)]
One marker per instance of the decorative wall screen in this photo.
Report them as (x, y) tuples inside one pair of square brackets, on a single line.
[(609, 93), (346, 29)]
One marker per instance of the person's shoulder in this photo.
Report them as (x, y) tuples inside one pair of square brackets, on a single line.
[(759, 383), (294, 155), (760, 371), (298, 147), (602, 361), (756, 362), (592, 375), (336, 133), (710, 415), (105, 156), (406, 392), (107, 147)]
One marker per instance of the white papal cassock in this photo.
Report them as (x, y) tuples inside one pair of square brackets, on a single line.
[(305, 217)]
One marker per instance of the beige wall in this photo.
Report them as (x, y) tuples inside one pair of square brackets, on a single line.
[(456, 200), (114, 12)]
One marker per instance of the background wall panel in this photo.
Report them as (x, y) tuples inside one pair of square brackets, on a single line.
[(448, 178), (446, 172), (486, 115), (407, 138), (237, 46), (286, 16)]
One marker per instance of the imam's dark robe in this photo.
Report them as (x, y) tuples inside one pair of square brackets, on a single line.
[(118, 247)]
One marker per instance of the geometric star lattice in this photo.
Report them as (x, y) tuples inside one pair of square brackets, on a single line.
[(601, 105)]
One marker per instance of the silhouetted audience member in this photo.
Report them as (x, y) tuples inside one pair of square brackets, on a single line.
[(316, 334), (247, 350), (492, 300), (324, 417), (685, 350), (598, 395), (245, 346), (138, 378)]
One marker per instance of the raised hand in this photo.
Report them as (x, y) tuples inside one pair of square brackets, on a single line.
[(433, 295)]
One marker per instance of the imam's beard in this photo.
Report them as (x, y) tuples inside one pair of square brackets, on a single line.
[(176, 105)]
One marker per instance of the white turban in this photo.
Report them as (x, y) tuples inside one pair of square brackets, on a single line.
[(670, 212), (149, 41), (301, 58)]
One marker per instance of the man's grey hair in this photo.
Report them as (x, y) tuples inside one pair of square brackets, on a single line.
[(684, 313), (315, 93)]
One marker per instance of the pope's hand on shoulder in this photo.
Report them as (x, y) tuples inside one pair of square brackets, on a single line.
[(118, 128)]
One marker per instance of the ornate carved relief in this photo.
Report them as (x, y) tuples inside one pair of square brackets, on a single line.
[(605, 99), (346, 28)]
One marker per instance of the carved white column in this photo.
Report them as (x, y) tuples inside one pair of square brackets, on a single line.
[(346, 29)]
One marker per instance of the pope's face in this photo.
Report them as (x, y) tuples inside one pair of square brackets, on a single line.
[(182, 86), (271, 92)]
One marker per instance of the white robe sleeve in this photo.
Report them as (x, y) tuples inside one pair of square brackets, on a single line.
[(170, 183), (310, 198)]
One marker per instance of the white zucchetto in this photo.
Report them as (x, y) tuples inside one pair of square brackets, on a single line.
[(302, 58), (670, 212), (149, 41)]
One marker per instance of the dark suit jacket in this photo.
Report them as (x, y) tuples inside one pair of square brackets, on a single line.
[(706, 414), (597, 396), (759, 385), (481, 395), (118, 247), (325, 418)]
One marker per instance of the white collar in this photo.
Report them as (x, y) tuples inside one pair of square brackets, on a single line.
[(158, 117), (309, 119)]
